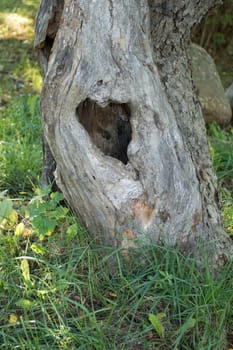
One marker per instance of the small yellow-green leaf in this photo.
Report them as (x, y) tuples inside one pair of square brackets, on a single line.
[(38, 249), (25, 303), (156, 321), (25, 269), (13, 319), (13, 217), (72, 231), (190, 323), (161, 315), (10, 220), (113, 295), (42, 292), (19, 230)]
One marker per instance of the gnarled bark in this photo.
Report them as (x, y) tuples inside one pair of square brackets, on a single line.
[(123, 123)]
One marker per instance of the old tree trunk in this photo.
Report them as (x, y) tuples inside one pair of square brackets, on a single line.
[(123, 128)]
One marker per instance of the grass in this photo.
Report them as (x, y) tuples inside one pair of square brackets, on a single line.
[(221, 146), (20, 148), (26, 8), (19, 71), (222, 154), (20, 133), (58, 288), (59, 291)]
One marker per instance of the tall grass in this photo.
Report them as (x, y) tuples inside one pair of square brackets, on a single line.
[(221, 146), (222, 153), (20, 145), (68, 295)]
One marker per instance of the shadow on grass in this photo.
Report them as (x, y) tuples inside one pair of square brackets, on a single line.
[(24, 7), (19, 71)]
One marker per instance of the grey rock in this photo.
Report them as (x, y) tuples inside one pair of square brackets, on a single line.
[(214, 103), (229, 95)]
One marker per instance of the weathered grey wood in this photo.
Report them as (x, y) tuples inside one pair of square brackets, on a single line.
[(118, 65)]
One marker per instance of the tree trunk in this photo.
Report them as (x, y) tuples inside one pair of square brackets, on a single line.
[(123, 124)]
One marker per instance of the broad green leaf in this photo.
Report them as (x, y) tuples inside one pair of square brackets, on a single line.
[(57, 196), (45, 226), (156, 321), (25, 269), (6, 207)]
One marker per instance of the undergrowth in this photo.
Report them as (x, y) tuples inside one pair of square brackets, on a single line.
[(60, 290)]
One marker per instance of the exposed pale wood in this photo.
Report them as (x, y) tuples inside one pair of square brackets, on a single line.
[(112, 65)]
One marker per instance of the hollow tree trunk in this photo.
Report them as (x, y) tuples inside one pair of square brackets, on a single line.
[(123, 124)]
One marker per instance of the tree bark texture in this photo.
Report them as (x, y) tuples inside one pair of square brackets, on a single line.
[(123, 124)]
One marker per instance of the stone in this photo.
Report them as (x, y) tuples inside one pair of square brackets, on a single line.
[(214, 103), (229, 95)]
